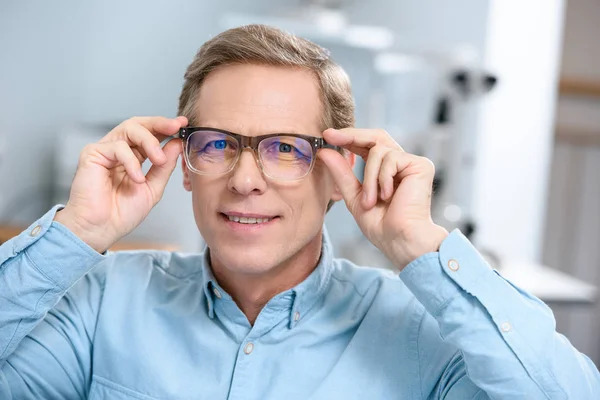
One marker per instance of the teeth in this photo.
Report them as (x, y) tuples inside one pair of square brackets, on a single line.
[(245, 220)]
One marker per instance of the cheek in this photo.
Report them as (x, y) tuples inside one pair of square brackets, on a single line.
[(313, 195), (323, 181), (205, 195)]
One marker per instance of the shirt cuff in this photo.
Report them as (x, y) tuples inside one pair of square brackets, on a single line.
[(437, 278), (53, 250)]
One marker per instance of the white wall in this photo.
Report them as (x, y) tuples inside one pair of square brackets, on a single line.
[(516, 127), (40, 76)]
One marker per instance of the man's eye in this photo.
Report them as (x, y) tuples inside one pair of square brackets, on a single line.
[(285, 148), (218, 144)]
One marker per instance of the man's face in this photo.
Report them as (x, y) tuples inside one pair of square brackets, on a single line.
[(255, 100)]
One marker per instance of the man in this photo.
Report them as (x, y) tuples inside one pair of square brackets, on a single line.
[(266, 312)]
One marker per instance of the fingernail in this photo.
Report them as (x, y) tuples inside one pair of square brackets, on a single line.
[(365, 198)]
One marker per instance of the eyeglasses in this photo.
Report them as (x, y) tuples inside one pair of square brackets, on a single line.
[(281, 156)]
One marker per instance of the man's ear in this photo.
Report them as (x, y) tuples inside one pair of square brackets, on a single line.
[(187, 183), (351, 159)]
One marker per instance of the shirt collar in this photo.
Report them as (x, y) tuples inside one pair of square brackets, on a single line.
[(303, 296)]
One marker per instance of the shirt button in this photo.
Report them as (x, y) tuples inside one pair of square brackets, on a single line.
[(453, 265), (506, 327), (249, 347), (35, 231), (296, 316), (216, 292)]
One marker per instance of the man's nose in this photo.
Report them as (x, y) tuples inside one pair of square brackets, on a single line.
[(247, 177)]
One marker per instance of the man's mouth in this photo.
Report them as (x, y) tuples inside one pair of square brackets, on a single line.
[(248, 220)]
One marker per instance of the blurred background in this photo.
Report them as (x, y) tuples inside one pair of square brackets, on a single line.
[(503, 95)]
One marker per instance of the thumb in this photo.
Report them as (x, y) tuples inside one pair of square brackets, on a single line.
[(343, 175), (158, 175)]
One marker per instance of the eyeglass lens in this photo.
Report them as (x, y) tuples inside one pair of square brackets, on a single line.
[(282, 157)]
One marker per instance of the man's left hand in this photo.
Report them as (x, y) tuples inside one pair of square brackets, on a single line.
[(393, 204)]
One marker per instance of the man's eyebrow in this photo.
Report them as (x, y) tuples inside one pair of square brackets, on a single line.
[(266, 131)]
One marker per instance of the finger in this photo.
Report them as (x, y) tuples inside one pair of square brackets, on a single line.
[(159, 175), (142, 154), (162, 125), (401, 167), (391, 165), (112, 154), (359, 141), (147, 143), (183, 121), (371, 174), (343, 176)]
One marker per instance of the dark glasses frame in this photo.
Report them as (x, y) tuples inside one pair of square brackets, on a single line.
[(252, 142)]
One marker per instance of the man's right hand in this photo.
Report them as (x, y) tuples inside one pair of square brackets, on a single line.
[(110, 196)]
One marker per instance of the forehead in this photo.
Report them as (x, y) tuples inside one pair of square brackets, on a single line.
[(256, 99)]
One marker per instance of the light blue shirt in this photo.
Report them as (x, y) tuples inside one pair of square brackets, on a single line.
[(156, 325)]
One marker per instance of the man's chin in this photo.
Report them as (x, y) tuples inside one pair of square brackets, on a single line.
[(246, 258)]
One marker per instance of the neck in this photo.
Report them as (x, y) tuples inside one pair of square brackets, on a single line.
[(252, 292)]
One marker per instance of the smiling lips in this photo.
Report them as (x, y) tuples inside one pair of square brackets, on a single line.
[(248, 218)]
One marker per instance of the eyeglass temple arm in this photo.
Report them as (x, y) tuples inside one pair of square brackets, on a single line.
[(324, 145), (331, 146)]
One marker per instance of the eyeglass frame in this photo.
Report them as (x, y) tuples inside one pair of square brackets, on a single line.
[(252, 142)]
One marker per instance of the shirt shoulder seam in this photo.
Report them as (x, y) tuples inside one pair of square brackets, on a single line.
[(350, 282)]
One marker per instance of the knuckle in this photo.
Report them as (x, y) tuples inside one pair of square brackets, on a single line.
[(392, 156), (152, 141), (427, 163), (128, 125), (122, 146), (381, 132), (380, 151), (87, 150), (388, 141), (388, 166)]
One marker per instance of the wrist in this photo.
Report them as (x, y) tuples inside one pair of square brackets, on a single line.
[(81, 230), (420, 241)]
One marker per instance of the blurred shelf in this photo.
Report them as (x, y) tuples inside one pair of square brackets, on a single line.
[(7, 232), (579, 87), (578, 136)]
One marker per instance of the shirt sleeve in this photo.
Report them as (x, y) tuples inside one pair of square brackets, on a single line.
[(505, 335), (47, 312)]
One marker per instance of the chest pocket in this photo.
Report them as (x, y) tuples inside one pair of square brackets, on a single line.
[(104, 389)]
